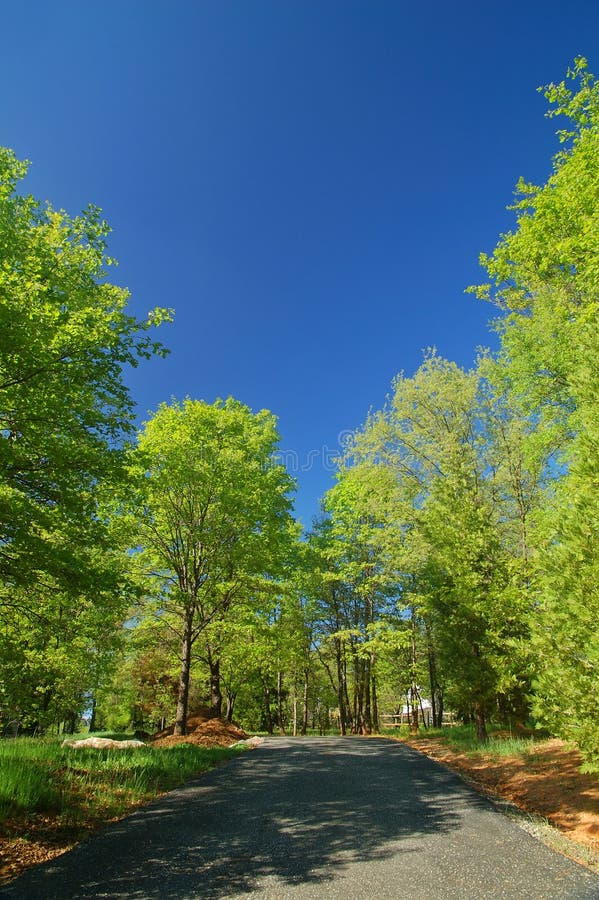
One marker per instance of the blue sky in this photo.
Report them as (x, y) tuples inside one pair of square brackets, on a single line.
[(308, 184)]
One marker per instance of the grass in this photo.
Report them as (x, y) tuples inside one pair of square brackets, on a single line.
[(462, 739), (400, 731), (38, 775)]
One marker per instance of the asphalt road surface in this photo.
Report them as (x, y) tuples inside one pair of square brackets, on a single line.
[(314, 818)]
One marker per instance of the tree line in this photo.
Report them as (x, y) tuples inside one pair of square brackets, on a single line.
[(142, 574)]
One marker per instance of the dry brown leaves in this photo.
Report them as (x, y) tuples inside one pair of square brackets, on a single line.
[(44, 838)]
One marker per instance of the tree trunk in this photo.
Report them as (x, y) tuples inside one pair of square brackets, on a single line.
[(268, 713), (413, 709), (294, 707), (340, 689), (367, 718), (358, 705), (375, 702), (216, 696), (481, 725), (345, 694), (439, 705), (280, 703), (422, 716), (181, 715), (432, 679), (92, 721), (413, 698), (305, 702), (70, 723), (230, 705)]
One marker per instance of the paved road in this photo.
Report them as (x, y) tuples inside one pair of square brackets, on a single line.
[(314, 818)]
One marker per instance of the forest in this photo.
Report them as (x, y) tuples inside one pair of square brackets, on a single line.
[(145, 573)]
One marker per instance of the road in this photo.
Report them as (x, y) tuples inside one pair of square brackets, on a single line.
[(314, 818)]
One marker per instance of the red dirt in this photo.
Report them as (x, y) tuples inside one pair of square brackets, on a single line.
[(547, 782), (203, 728)]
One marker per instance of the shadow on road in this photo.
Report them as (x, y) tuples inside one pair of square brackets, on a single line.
[(299, 810)]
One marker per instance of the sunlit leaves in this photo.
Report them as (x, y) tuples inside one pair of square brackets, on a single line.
[(546, 275), (65, 412)]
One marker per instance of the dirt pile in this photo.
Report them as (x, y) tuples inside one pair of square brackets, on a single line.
[(203, 728)]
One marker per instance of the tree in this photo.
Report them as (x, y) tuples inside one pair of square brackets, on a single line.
[(65, 412), (362, 553), (212, 521), (65, 337), (544, 276), (452, 552)]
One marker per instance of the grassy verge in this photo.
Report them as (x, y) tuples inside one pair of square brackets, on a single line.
[(39, 776), (462, 739)]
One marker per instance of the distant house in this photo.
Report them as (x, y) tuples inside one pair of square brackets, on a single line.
[(404, 717)]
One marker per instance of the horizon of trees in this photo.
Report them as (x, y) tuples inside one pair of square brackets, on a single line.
[(454, 558)]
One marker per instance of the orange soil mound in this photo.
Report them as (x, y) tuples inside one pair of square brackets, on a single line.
[(201, 715), (203, 728)]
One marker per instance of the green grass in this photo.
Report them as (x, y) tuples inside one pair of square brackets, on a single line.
[(38, 775), (462, 738), (398, 731)]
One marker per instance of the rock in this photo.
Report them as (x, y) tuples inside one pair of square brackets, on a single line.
[(248, 742), (98, 743)]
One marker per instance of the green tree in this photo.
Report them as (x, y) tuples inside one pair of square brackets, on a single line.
[(361, 551), (65, 337), (544, 276), (65, 411), (212, 521), (452, 549)]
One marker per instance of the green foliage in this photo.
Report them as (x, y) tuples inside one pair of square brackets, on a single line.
[(211, 523), (65, 336), (472, 496), (143, 685), (65, 412), (213, 502), (41, 776), (452, 501), (545, 274), (457, 548)]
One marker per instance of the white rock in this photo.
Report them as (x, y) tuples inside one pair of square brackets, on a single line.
[(248, 742), (98, 743)]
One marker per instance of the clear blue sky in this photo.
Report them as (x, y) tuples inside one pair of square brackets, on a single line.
[(307, 183)]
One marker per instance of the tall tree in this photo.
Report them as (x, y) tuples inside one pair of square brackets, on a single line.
[(362, 552), (65, 412), (212, 521), (544, 276), (65, 336), (451, 555)]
